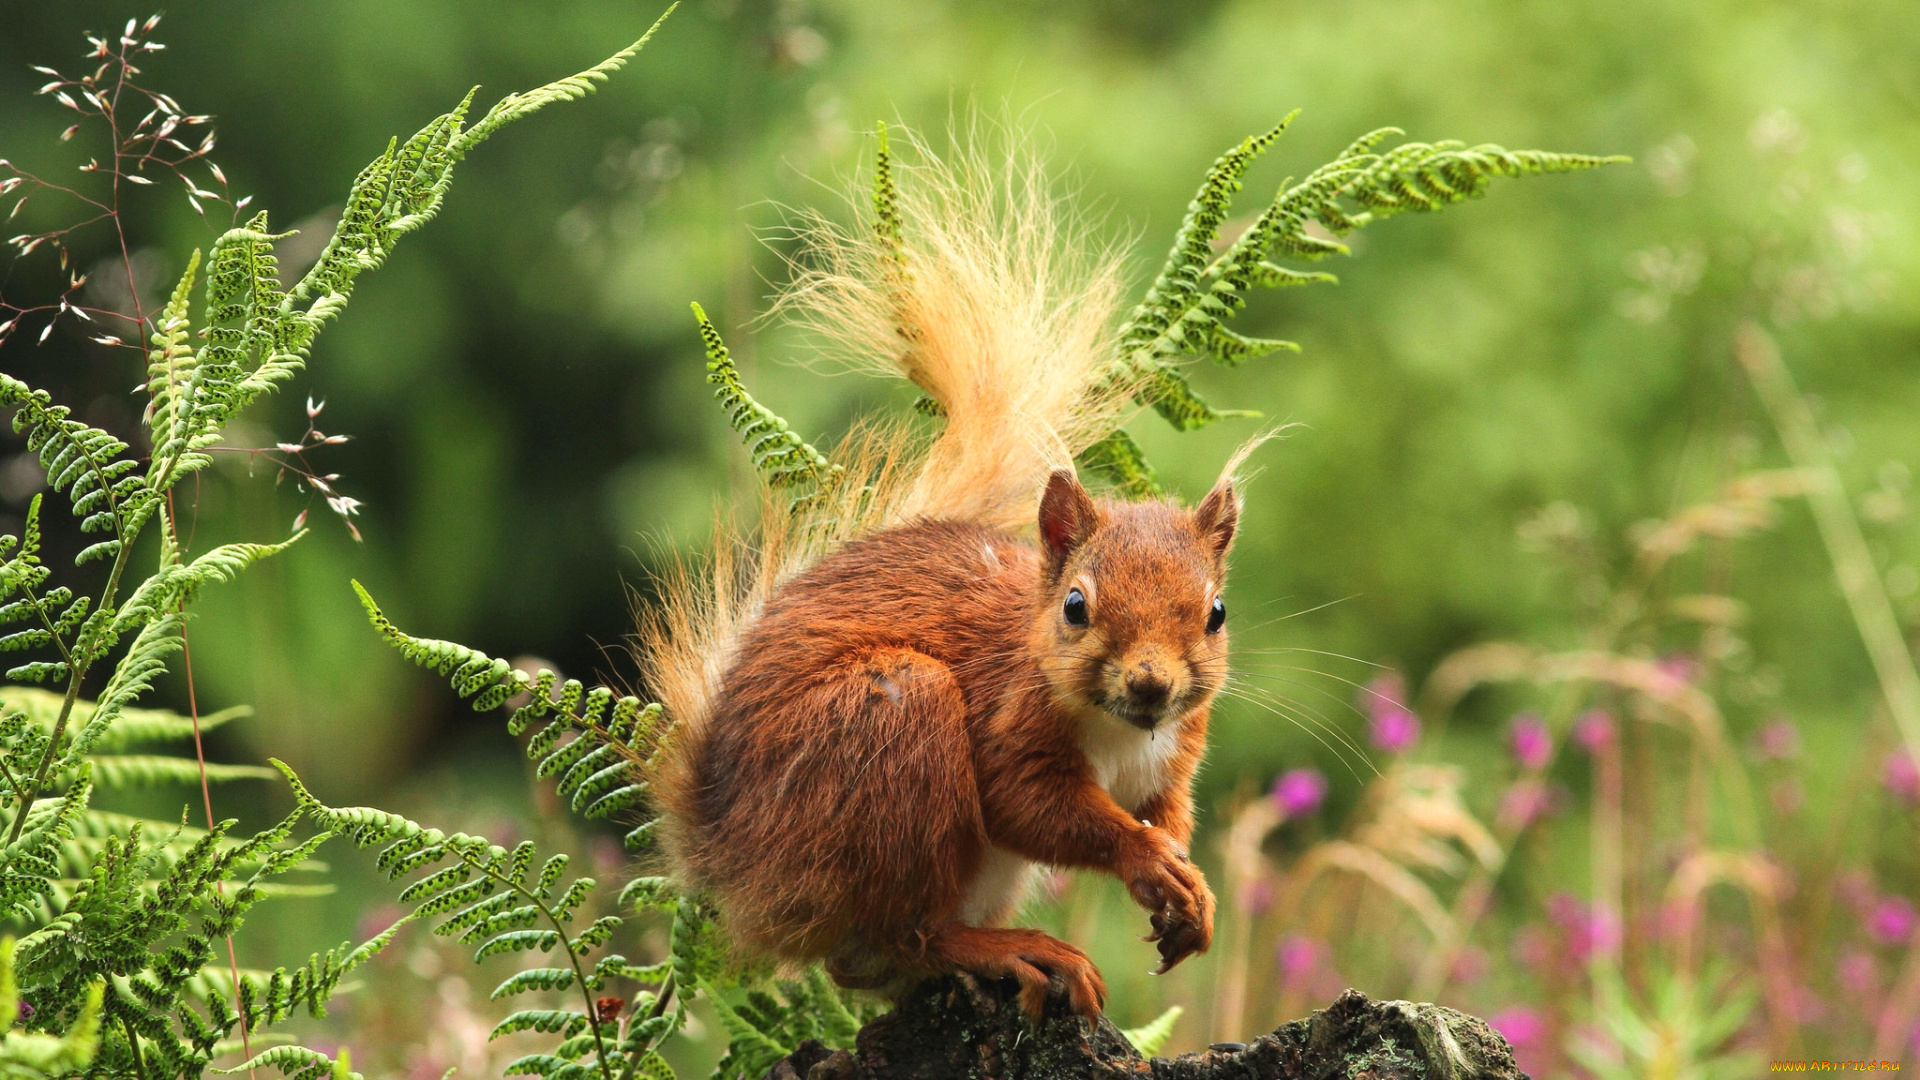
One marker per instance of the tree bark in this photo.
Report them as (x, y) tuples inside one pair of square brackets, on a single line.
[(959, 1029)]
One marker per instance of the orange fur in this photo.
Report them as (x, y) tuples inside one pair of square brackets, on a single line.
[(884, 709)]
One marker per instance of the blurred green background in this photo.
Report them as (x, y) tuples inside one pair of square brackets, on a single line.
[(525, 395)]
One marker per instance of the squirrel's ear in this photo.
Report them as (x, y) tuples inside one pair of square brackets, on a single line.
[(1066, 516), (1218, 515)]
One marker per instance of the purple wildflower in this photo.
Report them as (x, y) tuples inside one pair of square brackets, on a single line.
[(1387, 690), (1594, 730), (1779, 740), (1298, 956), (24, 1013), (1471, 965), (1525, 802), (1859, 973), (1677, 670), (1522, 1027), (1902, 778), (1395, 729), (1590, 929), (1299, 792), (1892, 920), (1530, 740)]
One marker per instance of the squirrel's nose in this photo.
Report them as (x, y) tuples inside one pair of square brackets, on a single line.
[(1147, 686)]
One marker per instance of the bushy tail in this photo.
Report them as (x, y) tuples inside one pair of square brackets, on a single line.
[(971, 277)]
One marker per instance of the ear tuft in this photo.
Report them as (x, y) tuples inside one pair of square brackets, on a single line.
[(1067, 516), (1218, 515)]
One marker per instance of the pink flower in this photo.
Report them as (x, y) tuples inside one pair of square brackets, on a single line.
[(1520, 1026), (1779, 740), (1891, 921), (1394, 730), (1471, 965), (1677, 671), (1299, 792), (1590, 929), (1902, 778), (1393, 727), (1298, 956), (1387, 690), (1532, 744), (1594, 730), (1859, 973), (1525, 802)]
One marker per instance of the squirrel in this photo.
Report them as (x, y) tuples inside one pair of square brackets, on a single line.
[(893, 707)]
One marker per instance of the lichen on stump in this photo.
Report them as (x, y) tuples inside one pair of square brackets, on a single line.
[(959, 1029)]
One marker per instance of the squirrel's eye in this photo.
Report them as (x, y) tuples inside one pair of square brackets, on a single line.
[(1217, 618), (1076, 608)]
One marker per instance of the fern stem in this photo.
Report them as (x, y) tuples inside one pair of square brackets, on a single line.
[(666, 995), (133, 1045), (74, 678), (580, 980), (566, 942), (206, 797), (40, 610)]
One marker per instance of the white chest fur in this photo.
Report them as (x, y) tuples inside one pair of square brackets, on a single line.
[(1131, 764)]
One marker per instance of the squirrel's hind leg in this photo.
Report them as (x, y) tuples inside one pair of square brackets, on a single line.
[(852, 818), (1030, 956)]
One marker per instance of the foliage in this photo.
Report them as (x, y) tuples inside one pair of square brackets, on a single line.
[(1149, 1037), (1677, 1034), (1186, 310), (781, 457), (127, 913)]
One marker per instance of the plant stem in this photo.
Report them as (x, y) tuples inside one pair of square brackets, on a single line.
[(133, 1044), (1839, 529), (74, 678), (660, 1002), (573, 959)]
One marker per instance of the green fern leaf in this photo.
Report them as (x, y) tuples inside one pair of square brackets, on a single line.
[(517, 941), (1118, 459), (572, 88), (781, 457), (1151, 1036), (548, 1020), (549, 978)]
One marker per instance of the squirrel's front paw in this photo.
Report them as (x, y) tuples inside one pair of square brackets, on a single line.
[(1165, 882)]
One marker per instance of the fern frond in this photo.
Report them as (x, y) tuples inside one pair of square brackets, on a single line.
[(548, 978), (1119, 460), (779, 455), (170, 364), (595, 768), (147, 770), (295, 1063), (1149, 1037), (30, 1056), (83, 464), (572, 88), (1185, 310)]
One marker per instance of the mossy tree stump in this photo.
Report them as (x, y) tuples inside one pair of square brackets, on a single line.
[(959, 1029)]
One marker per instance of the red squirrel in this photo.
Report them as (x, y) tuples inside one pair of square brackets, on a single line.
[(880, 740)]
